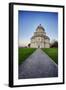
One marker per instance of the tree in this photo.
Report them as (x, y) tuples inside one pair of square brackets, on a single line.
[(54, 44), (29, 45)]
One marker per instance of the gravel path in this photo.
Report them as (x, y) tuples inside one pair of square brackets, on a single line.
[(38, 65)]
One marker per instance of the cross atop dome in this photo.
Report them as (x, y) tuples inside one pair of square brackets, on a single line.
[(40, 24)]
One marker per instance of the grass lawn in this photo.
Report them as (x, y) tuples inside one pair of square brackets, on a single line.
[(24, 53), (52, 53)]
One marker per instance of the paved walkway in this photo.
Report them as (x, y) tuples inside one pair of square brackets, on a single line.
[(38, 65)]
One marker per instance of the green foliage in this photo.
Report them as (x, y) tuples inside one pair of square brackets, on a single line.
[(24, 53), (54, 44), (52, 53)]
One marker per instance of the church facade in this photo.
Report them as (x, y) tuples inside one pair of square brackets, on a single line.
[(40, 39)]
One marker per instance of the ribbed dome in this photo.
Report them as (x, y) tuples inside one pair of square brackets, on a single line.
[(40, 28)]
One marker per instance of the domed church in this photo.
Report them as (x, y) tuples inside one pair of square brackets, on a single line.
[(40, 39)]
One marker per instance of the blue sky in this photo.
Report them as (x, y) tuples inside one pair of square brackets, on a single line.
[(29, 20)]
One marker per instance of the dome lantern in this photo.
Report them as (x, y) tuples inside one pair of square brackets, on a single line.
[(40, 28)]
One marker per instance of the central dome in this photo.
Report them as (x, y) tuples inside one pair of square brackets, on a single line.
[(40, 28)]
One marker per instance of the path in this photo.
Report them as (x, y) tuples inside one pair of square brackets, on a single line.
[(38, 65)]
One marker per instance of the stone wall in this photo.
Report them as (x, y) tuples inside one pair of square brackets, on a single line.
[(40, 42)]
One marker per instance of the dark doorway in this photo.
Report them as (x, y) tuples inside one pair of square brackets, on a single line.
[(38, 46)]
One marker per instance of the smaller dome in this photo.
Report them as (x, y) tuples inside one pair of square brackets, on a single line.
[(40, 27)]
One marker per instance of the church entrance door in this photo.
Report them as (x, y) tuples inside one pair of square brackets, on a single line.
[(38, 46)]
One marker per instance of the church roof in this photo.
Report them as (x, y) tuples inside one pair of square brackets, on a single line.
[(46, 37), (40, 27)]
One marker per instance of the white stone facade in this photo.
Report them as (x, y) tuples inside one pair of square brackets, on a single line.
[(40, 39)]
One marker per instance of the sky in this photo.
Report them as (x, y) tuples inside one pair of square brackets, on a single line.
[(28, 22)]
